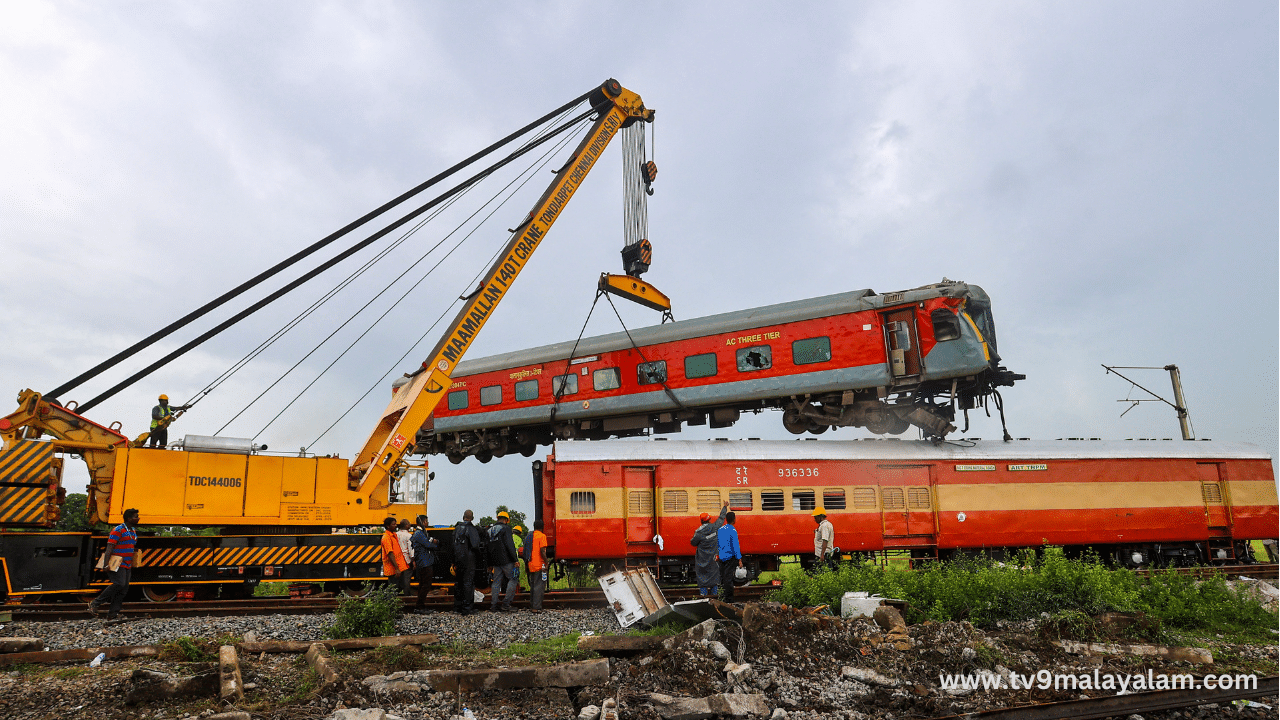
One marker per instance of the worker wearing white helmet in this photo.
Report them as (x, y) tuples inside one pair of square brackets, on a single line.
[(161, 416)]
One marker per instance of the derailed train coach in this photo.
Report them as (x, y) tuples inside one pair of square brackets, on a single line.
[(883, 361), (1136, 503)]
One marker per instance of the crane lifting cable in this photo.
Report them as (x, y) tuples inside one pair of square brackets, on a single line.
[(638, 174), (392, 227)]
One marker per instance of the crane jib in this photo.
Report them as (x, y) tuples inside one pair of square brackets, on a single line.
[(506, 270)]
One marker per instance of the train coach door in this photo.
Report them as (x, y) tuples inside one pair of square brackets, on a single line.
[(641, 526), (901, 343), (906, 502), (1215, 507)]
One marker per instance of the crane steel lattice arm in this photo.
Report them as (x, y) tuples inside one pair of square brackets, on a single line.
[(392, 439)]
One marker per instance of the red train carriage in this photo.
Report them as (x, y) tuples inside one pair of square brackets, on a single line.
[(880, 361), (1137, 503)]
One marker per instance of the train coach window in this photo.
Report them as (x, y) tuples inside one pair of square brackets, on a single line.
[(833, 499), (864, 498), (527, 390), (640, 502), (918, 498), (772, 500), (946, 326), (606, 379), (740, 500), (893, 498), (755, 358), (709, 501), (564, 385), (458, 400), (812, 350), (491, 395), (675, 501), (652, 373), (700, 366), (582, 503), (803, 500)]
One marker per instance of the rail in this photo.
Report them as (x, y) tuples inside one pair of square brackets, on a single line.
[(281, 605)]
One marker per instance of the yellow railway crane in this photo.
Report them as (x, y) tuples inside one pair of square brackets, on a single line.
[(221, 481)]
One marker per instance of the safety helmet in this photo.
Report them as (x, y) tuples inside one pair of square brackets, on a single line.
[(504, 515), (819, 511), (704, 517), (163, 396), (517, 529), (740, 574)]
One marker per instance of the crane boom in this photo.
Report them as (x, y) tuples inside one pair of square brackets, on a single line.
[(213, 482), (391, 440)]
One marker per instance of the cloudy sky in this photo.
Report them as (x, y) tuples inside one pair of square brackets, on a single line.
[(1106, 171)]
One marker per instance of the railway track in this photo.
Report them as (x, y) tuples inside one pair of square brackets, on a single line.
[(557, 600)]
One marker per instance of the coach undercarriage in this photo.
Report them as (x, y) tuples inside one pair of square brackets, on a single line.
[(929, 406)]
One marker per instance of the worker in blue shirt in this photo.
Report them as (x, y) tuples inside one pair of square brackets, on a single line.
[(730, 555)]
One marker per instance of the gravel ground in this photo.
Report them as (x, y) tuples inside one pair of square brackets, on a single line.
[(484, 628), (796, 664)]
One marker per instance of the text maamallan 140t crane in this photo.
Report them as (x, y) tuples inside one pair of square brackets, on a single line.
[(222, 481)]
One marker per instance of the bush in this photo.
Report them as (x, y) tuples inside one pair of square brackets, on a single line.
[(373, 615), (982, 592)]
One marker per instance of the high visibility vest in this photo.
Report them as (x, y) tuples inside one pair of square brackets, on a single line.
[(165, 412)]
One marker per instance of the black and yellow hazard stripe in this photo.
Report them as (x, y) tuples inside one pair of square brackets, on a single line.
[(27, 461), (172, 557), (324, 554), (24, 504), (224, 557)]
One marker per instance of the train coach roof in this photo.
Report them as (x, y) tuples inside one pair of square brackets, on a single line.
[(894, 450), (825, 306)]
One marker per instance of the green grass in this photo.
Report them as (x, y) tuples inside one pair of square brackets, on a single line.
[(307, 686), (271, 589), (189, 649), (562, 648), (983, 592)]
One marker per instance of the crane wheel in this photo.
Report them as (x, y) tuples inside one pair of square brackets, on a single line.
[(159, 594)]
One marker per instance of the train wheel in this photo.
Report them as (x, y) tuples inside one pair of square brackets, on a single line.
[(354, 589), (159, 594), (484, 455), (794, 422), (455, 457), (818, 428), (528, 450)]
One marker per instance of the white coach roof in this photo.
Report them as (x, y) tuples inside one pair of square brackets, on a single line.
[(896, 450)]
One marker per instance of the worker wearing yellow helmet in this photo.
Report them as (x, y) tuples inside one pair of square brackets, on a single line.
[(161, 416), (824, 539)]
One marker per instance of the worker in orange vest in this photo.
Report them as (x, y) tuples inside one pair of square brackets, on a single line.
[(393, 562)]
